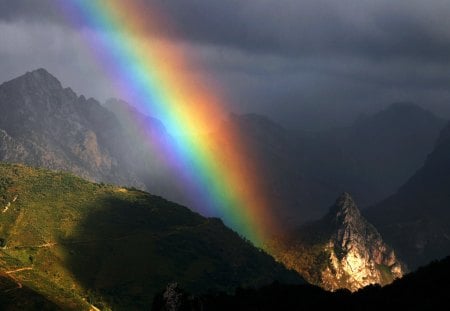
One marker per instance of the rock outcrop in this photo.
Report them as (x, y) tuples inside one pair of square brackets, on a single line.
[(358, 255), (43, 124), (342, 250)]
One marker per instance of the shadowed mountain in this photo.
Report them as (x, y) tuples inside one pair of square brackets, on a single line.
[(150, 148), (371, 159), (378, 153), (416, 219), (79, 243), (16, 297), (342, 250)]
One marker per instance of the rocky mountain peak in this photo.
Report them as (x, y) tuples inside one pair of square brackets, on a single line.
[(345, 209), (347, 222), (38, 79), (358, 256), (347, 251), (44, 124)]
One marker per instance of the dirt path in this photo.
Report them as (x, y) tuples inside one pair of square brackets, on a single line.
[(5, 209), (18, 270), (12, 277), (94, 308)]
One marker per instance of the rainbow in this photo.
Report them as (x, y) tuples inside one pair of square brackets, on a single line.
[(157, 76)]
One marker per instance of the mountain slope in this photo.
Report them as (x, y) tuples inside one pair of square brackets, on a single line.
[(416, 219), (342, 250), (378, 153), (371, 158), (16, 297), (145, 135), (43, 124), (72, 239), (425, 289)]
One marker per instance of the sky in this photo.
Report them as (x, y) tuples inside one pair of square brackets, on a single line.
[(306, 64)]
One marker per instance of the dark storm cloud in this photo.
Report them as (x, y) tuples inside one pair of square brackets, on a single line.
[(30, 10), (377, 29), (282, 57)]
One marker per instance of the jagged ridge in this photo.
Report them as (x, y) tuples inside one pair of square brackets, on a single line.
[(342, 250)]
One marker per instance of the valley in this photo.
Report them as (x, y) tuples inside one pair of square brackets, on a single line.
[(52, 220), (224, 155)]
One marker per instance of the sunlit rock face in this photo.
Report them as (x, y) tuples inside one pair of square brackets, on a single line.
[(342, 250), (358, 255)]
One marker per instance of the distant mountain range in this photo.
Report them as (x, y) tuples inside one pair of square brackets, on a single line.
[(341, 250), (43, 124), (78, 244), (305, 172), (416, 219)]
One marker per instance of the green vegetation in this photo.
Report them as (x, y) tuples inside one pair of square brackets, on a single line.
[(78, 243)]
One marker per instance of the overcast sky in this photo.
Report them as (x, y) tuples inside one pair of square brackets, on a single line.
[(314, 62)]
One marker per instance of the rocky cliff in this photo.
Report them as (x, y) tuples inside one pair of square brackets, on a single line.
[(44, 124), (342, 250)]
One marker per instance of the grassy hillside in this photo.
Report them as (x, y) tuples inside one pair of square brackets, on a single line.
[(14, 296), (79, 243)]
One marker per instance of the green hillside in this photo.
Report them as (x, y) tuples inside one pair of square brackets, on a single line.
[(78, 243)]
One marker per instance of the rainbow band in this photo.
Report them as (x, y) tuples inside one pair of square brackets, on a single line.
[(154, 73)]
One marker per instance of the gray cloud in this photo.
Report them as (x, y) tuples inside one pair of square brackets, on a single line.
[(300, 61), (382, 28), (29, 10)]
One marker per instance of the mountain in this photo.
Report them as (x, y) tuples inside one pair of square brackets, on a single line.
[(14, 296), (145, 134), (76, 242), (43, 124), (371, 158), (278, 157), (341, 250), (416, 219), (425, 289), (378, 153)]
